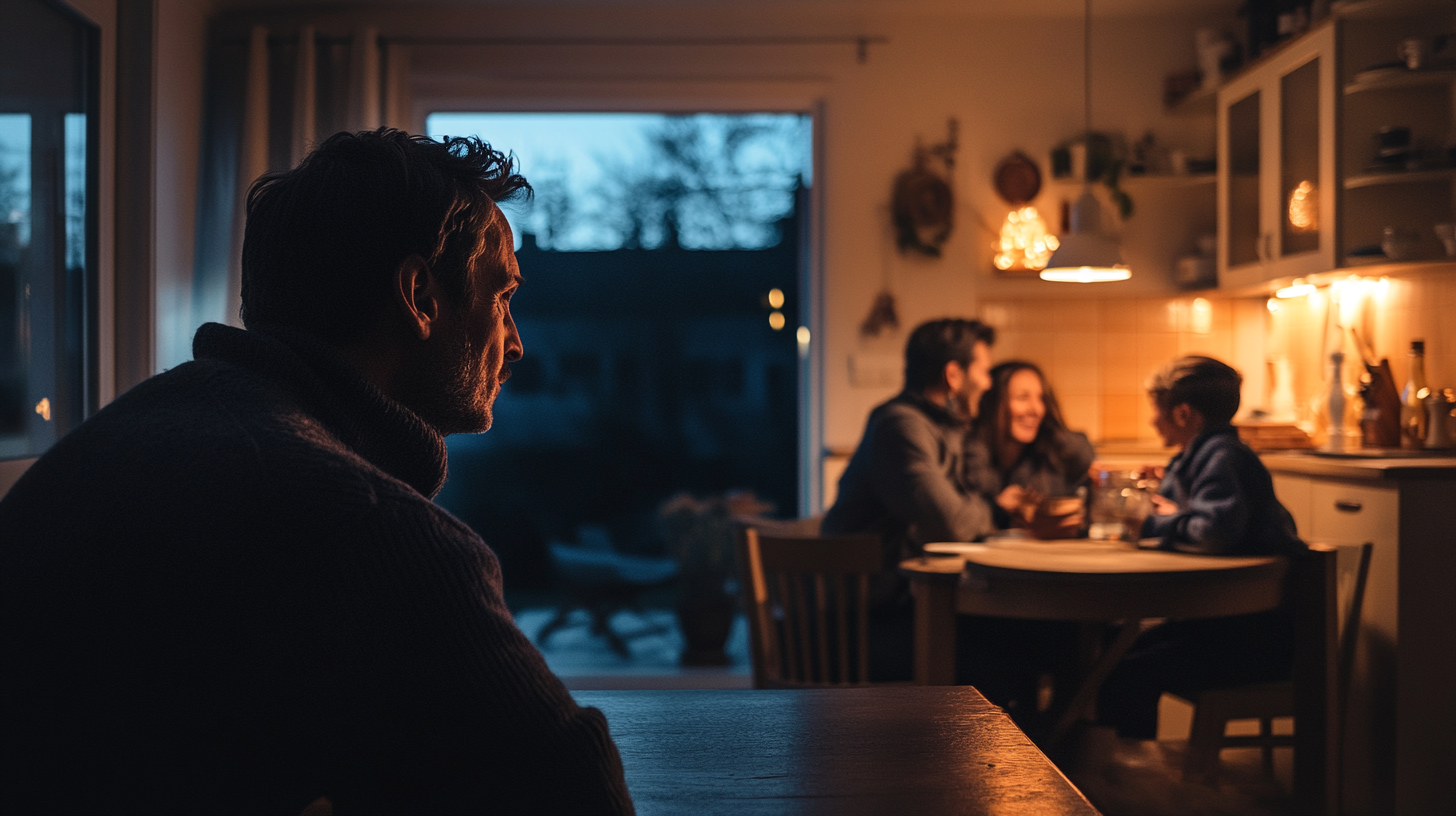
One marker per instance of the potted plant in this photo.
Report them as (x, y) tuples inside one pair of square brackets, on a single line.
[(700, 534)]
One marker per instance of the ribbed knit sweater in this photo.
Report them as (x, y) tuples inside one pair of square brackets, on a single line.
[(229, 591)]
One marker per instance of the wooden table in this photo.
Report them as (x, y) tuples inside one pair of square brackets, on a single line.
[(922, 750), (1077, 580)]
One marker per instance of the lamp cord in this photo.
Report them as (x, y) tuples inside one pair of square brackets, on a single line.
[(1087, 67)]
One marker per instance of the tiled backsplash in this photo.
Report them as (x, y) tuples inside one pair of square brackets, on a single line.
[(1098, 353)]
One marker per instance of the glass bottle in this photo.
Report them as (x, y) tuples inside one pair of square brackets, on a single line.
[(1413, 400), (1336, 403)]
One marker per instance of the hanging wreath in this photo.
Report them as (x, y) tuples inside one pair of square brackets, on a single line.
[(923, 205)]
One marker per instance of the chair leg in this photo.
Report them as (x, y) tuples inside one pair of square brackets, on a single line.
[(602, 625), (1205, 737), (563, 614), (1266, 744)]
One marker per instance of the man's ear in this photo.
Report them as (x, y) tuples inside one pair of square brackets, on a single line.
[(954, 375), (417, 296)]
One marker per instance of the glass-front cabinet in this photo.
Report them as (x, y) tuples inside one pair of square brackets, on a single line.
[(1276, 164)]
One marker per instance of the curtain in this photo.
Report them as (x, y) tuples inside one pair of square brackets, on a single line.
[(270, 97)]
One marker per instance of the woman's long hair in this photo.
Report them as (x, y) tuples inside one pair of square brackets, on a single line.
[(993, 418)]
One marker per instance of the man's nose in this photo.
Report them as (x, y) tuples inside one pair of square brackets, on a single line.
[(514, 348)]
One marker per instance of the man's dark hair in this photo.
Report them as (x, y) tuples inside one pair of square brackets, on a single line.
[(1204, 384), (938, 342), (324, 239)]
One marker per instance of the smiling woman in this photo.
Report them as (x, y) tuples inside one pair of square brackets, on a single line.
[(1028, 452)]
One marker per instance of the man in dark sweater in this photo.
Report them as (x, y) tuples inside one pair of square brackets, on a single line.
[(229, 590)]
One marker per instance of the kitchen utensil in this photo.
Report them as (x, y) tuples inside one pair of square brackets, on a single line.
[(1438, 422), (1380, 424), (1415, 52), (1447, 234), (1393, 136), (1399, 244)]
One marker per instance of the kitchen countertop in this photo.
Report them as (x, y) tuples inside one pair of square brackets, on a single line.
[(1355, 467), (1128, 453)]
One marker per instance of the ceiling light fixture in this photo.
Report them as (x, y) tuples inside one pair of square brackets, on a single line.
[(1085, 255)]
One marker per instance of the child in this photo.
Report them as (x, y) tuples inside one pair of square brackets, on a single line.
[(1216, 499)]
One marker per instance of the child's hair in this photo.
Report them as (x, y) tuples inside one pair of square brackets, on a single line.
[(1204, 384)]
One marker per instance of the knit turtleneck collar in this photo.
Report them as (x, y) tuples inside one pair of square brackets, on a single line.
[(385, 433), (938, 413)]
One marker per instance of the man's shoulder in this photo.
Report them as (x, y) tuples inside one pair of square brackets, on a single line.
[(900, 411)]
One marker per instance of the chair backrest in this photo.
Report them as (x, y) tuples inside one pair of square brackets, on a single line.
[(1323, 656), (808, 607)]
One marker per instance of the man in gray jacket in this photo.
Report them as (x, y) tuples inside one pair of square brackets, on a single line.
[(907, 479)]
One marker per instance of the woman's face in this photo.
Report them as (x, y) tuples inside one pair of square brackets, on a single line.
[(1024, 404)]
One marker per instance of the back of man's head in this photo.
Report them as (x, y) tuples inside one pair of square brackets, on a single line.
[(938, 342), (323, 240), (1204, 384)]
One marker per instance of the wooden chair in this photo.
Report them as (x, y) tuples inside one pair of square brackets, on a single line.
[(808, 607), (1315, 696)]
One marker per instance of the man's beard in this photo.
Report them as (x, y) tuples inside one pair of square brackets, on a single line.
[(962, 403), (454, 390)]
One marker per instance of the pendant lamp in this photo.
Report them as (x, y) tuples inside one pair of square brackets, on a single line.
[(1085, 254)]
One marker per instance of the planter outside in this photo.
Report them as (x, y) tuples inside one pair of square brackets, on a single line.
[(706, 622), (700, 534)]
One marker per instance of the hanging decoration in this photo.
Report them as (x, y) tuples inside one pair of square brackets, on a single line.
[(923, 205), (1025, 243)]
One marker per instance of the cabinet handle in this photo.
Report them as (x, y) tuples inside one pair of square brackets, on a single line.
[(1348, 506)]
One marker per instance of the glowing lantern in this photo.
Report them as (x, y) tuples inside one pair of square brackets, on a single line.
[(1304, 207), (1025, 242)]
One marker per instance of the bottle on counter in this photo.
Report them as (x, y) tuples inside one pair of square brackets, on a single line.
[(1413, 422), (1336, 403), (1438, 420)]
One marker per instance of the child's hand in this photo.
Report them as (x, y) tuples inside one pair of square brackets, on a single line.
[(1164, 506), (1153, 472)]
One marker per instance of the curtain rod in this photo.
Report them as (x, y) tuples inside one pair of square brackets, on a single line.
[(861, 43)]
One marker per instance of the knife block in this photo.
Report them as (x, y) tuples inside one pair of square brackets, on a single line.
[(1380, 422)]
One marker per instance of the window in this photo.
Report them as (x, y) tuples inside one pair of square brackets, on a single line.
[(47, 225)]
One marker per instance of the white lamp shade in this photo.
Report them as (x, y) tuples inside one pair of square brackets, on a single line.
[(1085, 255)]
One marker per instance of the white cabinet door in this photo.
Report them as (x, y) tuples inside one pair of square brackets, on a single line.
[(1294, 493), (1276, 165), (1344, 513)]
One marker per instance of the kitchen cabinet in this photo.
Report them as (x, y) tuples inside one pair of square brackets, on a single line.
[(1400, 723), (1276, 159), (1303, 186), (1411, 196)]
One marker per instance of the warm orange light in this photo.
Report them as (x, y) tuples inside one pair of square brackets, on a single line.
[(776, 298), (776, 320), (1025, 242), (1304, 207)]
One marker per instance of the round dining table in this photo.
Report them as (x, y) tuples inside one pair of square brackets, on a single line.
[(1107, 582)]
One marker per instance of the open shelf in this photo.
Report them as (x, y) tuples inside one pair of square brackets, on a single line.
[(1386, 9), (1151, 180), (1198, 103), (1399, 78), (1399, 177)]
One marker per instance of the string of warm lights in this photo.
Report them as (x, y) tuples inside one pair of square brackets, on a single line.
[(1025, 242)]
